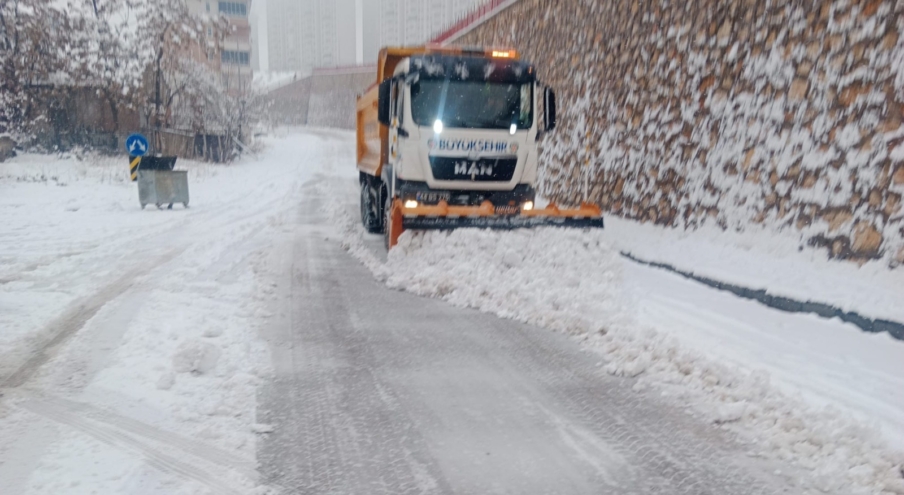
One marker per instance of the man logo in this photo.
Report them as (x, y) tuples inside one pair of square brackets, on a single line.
[(473, 169)]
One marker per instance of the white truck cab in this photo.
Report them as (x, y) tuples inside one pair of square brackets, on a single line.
[(447, 138), (462, 129)]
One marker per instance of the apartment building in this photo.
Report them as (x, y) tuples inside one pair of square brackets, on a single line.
[(233, 55), (303, 34), (411, 22)]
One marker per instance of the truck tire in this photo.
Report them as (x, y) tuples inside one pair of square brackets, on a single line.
[(370, 216)]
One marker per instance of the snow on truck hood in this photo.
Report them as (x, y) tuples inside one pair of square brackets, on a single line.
[(468, 68)]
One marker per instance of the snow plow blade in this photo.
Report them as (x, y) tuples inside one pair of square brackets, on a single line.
[(485, 216), (502, 223)]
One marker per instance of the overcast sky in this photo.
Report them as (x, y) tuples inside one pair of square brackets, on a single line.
[(259, 31), (345, 20)]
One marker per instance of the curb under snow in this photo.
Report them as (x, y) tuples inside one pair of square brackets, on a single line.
[(895, 329)]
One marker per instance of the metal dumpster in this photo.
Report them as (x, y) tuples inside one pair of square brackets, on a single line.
[(162, 187)]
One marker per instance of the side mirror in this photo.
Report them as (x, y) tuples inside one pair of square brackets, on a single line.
[(549, 100), (383, 102)]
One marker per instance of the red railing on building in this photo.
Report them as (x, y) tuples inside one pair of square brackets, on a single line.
[(475, 17)]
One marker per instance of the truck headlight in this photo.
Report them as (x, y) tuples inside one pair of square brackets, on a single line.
[(438, 126), (527, 206), (410, 204)]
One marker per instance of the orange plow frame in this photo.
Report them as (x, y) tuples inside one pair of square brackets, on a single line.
[(442, 216)]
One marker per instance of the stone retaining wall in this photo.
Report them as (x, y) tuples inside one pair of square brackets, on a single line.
[(321, 100), (333, 98), (785, 114), (288, 105)]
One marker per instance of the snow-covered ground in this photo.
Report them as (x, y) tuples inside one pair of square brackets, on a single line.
[(761, 259), (818, 393), (833, 407), (129, 350), (828, 362), (132, 336)]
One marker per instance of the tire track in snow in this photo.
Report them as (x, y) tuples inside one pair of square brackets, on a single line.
[(111, 420), (339, 429), (214, 479), (654, 445), (59, 331), (51, 338)]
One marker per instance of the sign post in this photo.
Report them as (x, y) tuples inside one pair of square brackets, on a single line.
[(137, 146)]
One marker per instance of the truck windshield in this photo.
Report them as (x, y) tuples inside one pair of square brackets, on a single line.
[(472, 104)]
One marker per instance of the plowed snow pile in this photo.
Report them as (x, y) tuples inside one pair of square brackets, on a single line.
[(510, 275), (570, 281)]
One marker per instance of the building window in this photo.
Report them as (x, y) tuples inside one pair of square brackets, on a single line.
[(232, 57), (234, 8)]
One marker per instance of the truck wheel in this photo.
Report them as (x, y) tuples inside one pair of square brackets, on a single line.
[(370, 217)]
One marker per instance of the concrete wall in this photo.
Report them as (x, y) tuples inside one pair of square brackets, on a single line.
[(785, 114), (288, 105), (321, 100), (333, 98), (80, 117)]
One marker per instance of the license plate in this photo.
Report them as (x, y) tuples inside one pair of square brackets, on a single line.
[(433, 197)]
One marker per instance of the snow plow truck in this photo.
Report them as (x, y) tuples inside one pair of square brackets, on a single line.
[(447, 138)]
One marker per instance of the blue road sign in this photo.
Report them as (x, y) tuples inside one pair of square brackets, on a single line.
[(137, 145)]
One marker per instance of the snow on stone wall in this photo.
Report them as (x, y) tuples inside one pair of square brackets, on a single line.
[(784, 114)]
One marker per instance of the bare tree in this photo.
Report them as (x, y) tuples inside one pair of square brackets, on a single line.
[(29, 37), (153, 56)]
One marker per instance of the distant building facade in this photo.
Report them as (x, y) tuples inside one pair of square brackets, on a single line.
[(233, 56), (255, 20), (412, 22), (304, 34)]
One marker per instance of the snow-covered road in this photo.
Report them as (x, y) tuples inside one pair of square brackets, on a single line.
[(380, 391), (250, 345), (129, 351)]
